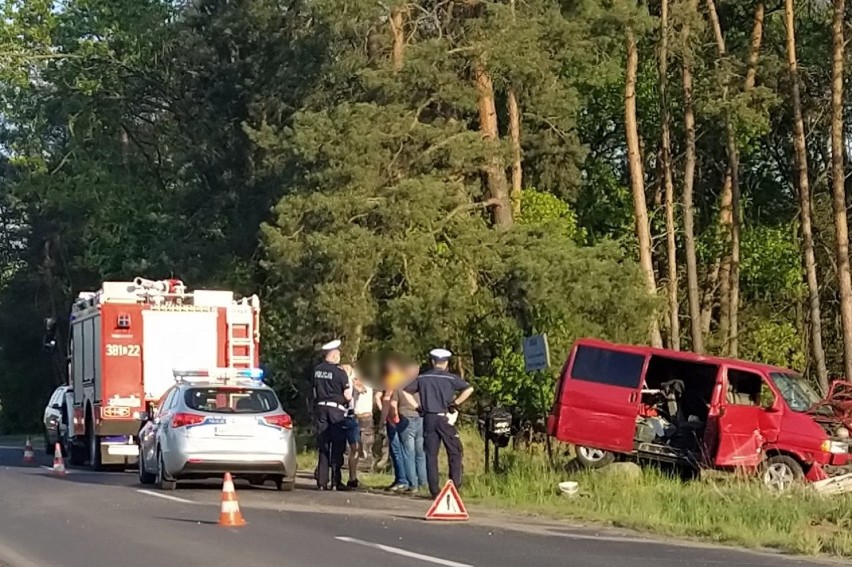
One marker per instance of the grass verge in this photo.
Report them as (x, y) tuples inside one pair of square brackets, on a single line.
[(725, 509)]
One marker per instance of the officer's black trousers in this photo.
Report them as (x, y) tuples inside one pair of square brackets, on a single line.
[(437, 430), (331, 444)]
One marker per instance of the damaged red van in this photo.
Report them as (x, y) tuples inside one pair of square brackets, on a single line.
[(695, 411)]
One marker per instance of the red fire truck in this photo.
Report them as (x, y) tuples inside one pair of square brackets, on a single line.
[(125, 341)]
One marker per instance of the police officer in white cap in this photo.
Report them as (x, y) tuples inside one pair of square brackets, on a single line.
[(332, 393), (439, 405)]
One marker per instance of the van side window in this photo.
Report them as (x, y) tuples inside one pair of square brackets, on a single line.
[(748, 389), (604, 366)]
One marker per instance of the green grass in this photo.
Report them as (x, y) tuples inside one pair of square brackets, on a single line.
[(724, 509)]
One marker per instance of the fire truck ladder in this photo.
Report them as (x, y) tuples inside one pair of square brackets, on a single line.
[(241, 331)]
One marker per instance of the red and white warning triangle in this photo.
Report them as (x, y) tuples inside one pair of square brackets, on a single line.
[(448, 505)]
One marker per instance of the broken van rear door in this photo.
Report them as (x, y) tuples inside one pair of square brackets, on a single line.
[(599, 398)]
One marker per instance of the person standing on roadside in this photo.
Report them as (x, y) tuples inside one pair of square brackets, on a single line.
[(439, 405), (390, 417), (410, 432), (359, 419), (332, 395)]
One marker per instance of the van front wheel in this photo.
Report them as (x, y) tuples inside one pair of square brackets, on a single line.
[(592, 458), (781, 472)]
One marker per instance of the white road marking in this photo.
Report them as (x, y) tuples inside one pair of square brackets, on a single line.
[(13, 448), (47, 468), (403, 552), (166, 496)]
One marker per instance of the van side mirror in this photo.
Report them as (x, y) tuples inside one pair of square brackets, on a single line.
[(49, 341), (144, 417)]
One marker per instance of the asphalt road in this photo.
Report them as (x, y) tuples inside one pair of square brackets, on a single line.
[(87, 519)]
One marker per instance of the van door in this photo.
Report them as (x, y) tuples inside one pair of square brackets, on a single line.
[(599, 401), (746, 421)]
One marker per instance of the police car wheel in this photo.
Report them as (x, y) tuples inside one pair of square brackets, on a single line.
[(163, 482), (144, 476), (284, 486)]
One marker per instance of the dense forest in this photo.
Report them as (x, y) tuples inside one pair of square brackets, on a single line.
[(456, 173)]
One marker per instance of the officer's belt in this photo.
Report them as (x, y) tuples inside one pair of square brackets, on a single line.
[(333, 405)]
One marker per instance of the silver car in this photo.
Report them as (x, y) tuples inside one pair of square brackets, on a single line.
[(205, 427), (56, 417)]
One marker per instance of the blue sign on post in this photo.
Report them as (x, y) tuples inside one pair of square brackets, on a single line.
[(536, 353)]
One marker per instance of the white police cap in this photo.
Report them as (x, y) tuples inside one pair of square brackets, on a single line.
[(440, 354), (333, 345)]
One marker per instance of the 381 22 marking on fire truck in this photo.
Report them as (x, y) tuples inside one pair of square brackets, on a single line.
[(123, 350)]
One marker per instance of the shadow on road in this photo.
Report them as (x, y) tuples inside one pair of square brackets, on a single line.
[(187, 520)]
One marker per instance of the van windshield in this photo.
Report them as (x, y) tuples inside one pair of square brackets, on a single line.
[(796, 391)]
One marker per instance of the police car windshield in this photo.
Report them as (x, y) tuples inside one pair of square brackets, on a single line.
[(231, 400)]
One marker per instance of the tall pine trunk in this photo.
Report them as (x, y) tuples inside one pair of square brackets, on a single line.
[(515, 136), (729, 273), (494, 170), (637, 179), (688, 184), (805, 199), (668, 183), (838, 185), (397, 19), (754, 50)]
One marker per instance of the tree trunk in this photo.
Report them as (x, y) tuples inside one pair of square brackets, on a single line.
[(805, 200), (397, 22), (838, 185), (637, 179), (666, 165), (754, 50), (495, 176), (688, 184), (731, 267), (515, 135), (725, 222)]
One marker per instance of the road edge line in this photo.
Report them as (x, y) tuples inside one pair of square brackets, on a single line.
[(165, 496), (402, 552)]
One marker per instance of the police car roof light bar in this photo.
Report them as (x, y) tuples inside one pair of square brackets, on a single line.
[(223, 375)]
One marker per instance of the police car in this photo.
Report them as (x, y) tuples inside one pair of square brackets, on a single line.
[(216, 421)]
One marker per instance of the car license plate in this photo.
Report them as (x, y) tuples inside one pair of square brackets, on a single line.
[(123, 450), (233, 431)]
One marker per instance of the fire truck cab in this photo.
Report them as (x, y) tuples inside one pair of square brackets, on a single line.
[(124, 342)]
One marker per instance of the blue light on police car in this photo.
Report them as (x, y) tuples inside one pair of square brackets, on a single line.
[(253, 373)]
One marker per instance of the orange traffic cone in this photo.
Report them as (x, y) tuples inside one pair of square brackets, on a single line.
[(229, 515), (58, 462), (29, 454)]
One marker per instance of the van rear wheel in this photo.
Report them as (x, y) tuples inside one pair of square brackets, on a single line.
[(781, 472), (592, 458)]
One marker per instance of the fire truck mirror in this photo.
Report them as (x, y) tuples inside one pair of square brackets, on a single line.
[(49, 342)]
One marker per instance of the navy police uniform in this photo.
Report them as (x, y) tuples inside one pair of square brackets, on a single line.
[(437, 389), (330, 381)]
